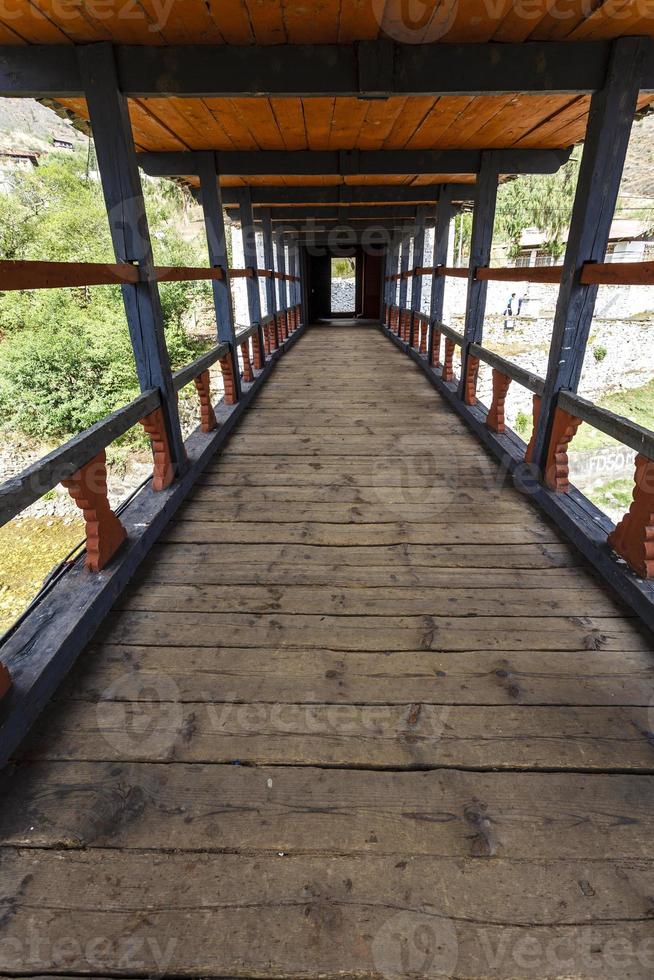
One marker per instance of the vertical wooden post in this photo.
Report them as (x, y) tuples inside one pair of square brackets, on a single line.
[(481, 240), (405, 245), (281, 267), (214, 224), (128, 223), (444, 213), (612, 110), (418, 260), (268, 260), (244, 198)]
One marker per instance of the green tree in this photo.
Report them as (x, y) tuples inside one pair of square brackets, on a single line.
[(65, 355), (542, 201)]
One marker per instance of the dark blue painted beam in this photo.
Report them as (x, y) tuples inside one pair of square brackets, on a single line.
[(481, 240), (250, 253), (607, 138), (214, 223), (344, 163), (275, 195), (377, 69), (268, 258), (444, 214), (128, 223)]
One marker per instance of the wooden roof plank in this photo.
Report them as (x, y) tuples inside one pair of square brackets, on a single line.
[(232, 20), (74, 21), (358, 21), (187, 23), (267, 19), (290, 120), (312, 22)]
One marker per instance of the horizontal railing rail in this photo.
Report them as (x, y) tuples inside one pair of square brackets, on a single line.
[(17, 493), (617, 426), (592, 273), (19, 274), (532, 382), (189, 373)]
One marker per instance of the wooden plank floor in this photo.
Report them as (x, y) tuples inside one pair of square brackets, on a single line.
[(362, 714)]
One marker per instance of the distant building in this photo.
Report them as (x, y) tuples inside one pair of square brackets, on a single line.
[(60, 143), (13, 162), (631, 240)]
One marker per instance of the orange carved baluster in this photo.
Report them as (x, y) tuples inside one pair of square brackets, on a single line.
[(247, 364), (104, 532), (257, 355), (633, 538), (227, 368), (564, 428), (535, 411), (424, 327), (436, 348), (163, 473), (472, 373), (495, 419), (448, 365), (207, 415)]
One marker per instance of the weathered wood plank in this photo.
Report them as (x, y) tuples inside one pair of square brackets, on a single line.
[(375, 633), (364, 601), (393, 557), (394, 533), (272, 674), (524, 816), (316, 917), (409, 736)]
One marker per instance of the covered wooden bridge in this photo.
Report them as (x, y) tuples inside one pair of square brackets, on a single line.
[(358, 685)]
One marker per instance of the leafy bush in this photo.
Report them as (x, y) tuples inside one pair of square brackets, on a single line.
[(65, 356), (523, 423), (599, 353)]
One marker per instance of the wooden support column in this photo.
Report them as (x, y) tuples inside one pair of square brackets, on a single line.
[(444, 214), (283, 286), (214, 224), (481, 240), (128, 223), (612, 110), (249, 252), (268, 259), (418, 256), (405, 246)]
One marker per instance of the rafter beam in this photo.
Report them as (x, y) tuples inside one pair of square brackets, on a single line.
[(350, 163), (360, 212), (275, 195), (376, 69)]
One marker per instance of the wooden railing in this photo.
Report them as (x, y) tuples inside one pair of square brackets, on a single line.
[(633, 538), (592, 273)]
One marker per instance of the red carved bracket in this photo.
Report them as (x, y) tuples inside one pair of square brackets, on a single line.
[(424, 329), (257, 354), (104, 532), (164, 472), (557, 467), (448, 362), (436, 348), (5, 681), (207, 415), (227, 368), (633, 538), (472, 374), (535, 413), (247, 363), (564, 428), (495, 419)]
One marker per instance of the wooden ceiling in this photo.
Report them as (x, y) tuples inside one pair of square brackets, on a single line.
[(472, 122), (318, 21)]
